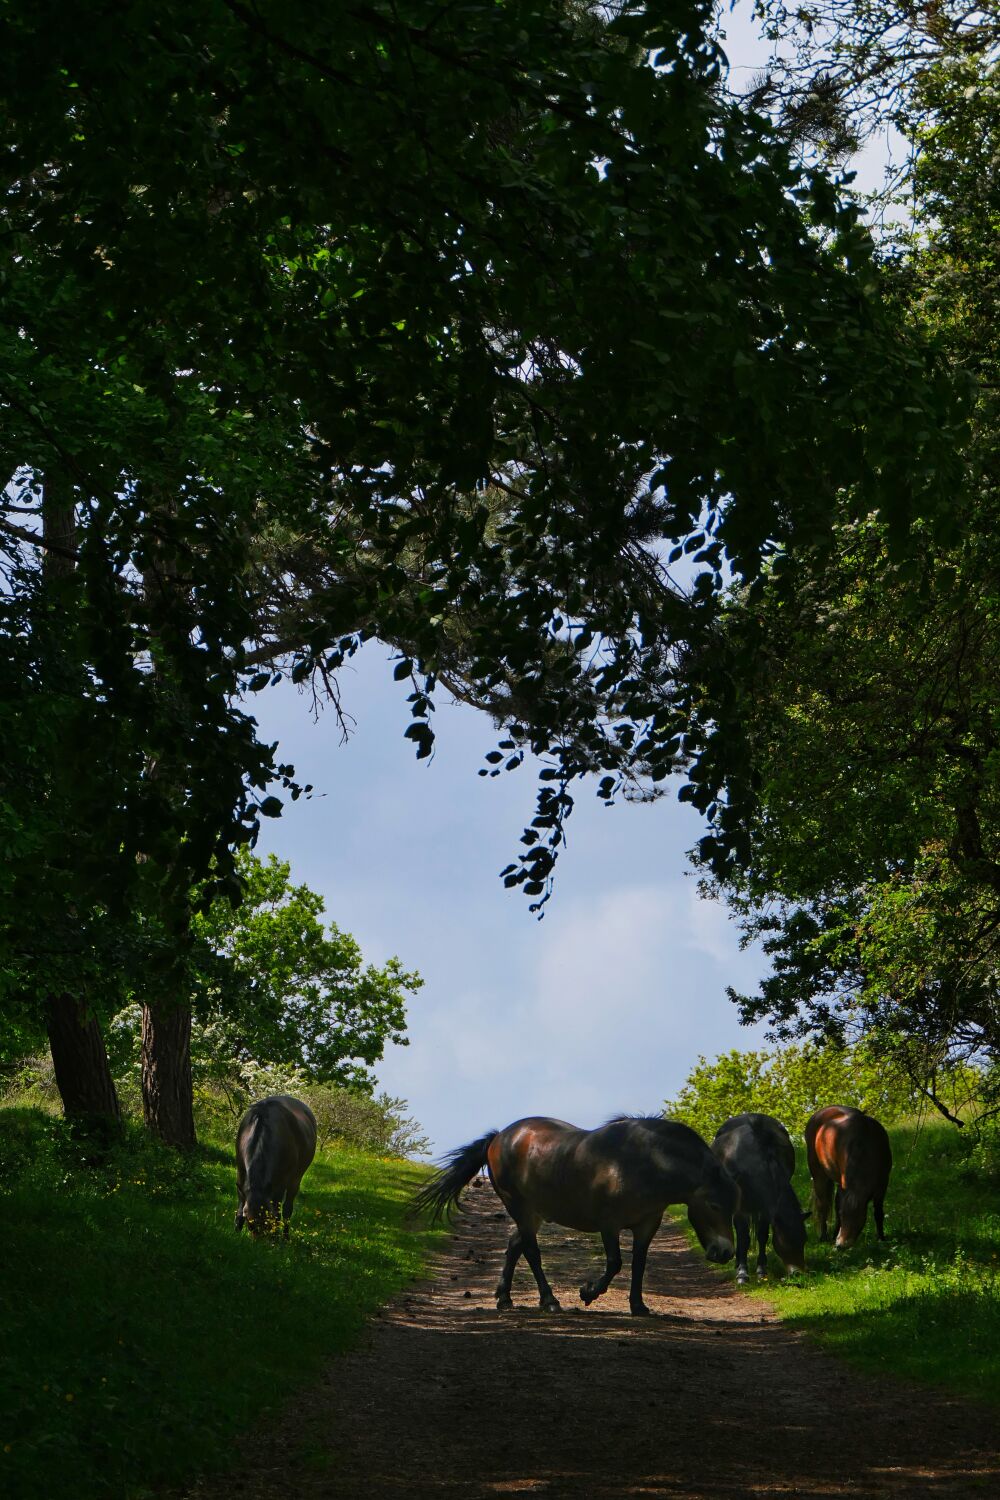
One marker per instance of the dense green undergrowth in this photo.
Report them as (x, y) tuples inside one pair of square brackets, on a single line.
[(142, 1336), (925, 1304)]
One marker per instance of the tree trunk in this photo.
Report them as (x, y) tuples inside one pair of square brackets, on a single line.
[(167, 1093), (83, 1075), (167, 1096)]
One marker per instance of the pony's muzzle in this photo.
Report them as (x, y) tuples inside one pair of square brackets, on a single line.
[(719, 1251)]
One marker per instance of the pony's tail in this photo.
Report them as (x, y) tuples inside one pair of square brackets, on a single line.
[(253, 1148), (442, 1192)]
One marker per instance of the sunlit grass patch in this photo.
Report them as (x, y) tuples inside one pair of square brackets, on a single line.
[(925, 1304), (142, 1335)]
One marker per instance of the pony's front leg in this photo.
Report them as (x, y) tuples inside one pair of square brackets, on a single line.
[(547, 1299), (763, 1229), (741, 1226), (641, 1239), (241, 1208), (510, 1260), (591, 1290)]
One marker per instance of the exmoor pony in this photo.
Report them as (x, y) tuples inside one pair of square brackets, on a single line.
[(849, 1160), (619, 1176), (758, 1154), (275, 1142)]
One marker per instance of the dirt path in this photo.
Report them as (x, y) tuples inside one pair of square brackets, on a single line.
[(711, 1400)]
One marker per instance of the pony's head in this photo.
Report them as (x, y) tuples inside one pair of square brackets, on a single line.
[(853, 1213), (710, 1213), (789, 1230), (261, 1213)]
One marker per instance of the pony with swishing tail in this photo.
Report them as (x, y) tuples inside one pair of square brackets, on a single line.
[(617, 1177)]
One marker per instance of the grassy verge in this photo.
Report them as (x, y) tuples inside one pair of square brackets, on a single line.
[(142, 1336), (926, 1303)]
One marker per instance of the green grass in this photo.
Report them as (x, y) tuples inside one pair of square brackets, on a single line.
[(141, 1335), (925, 1304)]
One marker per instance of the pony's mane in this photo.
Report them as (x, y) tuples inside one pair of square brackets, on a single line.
[(788, 1209), (660, 1123), (627, 1114)]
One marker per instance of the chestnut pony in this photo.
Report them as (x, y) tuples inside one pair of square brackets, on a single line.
[(620, 1176), (758, 1154), (848, 1151)]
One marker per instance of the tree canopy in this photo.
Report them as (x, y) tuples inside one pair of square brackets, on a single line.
[(851, 773), (453, 326), (277, 986)]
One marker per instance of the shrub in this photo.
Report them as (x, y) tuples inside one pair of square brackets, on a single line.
[(790, 1083), (379, 1124), (376, 1123), (983, 1161)]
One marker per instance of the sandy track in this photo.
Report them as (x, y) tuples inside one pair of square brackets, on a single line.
[(711, 1398)]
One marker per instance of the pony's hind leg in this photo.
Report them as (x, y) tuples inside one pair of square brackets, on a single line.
[(598, 1285), (515, 1248), (763, 1227), (547, 1299), (822, 1198), (878, 1213)]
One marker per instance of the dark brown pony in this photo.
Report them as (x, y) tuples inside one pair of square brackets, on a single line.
[(275, 1142), (758, 1154), (848, 1151), (620, 1176)]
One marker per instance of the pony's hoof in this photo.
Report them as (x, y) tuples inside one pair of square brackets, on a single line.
[(742, 1277), (640, 1310), (504, 1304), (761, 1275), (587, 1294), (551, 1304)]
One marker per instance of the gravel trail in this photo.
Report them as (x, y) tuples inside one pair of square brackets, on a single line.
[(711, 1399)]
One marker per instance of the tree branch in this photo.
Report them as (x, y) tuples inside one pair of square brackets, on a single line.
[(38, 540)]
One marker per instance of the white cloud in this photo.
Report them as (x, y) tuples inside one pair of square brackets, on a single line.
[(635, 945), (711, 931)]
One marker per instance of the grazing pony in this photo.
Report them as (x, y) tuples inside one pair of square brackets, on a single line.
[(758, 1154), (275, 1142), (620, 1176), (849, 1151)]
